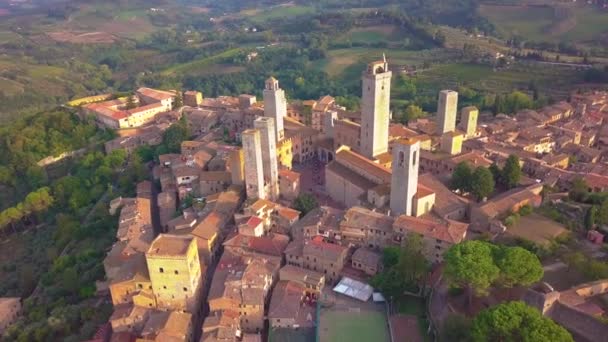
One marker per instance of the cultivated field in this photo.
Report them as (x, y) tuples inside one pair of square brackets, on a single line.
[(571, 23), (278, 12), (82, 38)]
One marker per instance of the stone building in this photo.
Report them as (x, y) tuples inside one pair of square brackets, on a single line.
[(468, 121), (447, 107), (375, 109), (193, 98), (404, 179), (254, 172), (318, 255), (175, 272), (275, 106), (270, 167)]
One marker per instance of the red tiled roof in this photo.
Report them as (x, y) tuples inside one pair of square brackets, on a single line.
[(274, 245), (254, 221), (444, 230), (144, 108), (290, 175)]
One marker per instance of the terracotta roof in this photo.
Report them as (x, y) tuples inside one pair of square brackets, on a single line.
[(288, 213), (166, 244), (158, 95), (286, 303), (367, 256), (254, 221), (349, 175), (362, 218), (423, 191), (444, 230), (290, 175), (324, 250), (215, 176), (209, 227), (273, 245), (354, 160), (145, 108)]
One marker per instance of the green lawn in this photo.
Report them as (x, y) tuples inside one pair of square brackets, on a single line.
[(200, 65), (279, 12), (586, 23), (354, 327), (373, 34), (482, 77), (525, 21), (591, 24)]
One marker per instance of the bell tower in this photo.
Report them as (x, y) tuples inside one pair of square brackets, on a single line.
[(375, 108)]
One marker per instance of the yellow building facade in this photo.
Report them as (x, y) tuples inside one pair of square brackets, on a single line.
[(175, 272)]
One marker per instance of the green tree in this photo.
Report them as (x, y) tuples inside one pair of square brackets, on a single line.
[(179, 100), (602, 216), (517, 101), (174, 136), (462, 177), (516, 321), (390, 256), (470, 265), (131, 103), (496, 172), (305, 203), (412, 265), (579, 191), (482, 183), (591, 217), (518, 267), (411, 113), (511, 173)]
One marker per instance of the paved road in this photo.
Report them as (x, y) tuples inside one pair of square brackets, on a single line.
[(554, 267)]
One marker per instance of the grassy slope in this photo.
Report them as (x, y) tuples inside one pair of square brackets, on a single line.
[(534, 22), (278, 12)]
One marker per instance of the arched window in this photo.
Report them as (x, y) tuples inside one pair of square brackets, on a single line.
[(401, 158), (414, 158)]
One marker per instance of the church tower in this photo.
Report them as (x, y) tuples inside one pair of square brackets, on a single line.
[(375, 109), (275, 106), (404, 181)]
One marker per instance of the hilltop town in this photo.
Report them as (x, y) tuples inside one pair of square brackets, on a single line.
[(273, 222)]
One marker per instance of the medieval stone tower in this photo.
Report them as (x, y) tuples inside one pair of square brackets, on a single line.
[(468, 120), (275, 106), (254, 174), (446, 111), (269, 155), (404, 181), (375, 109)]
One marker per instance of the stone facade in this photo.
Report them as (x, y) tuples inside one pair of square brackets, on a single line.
[(375, 109)]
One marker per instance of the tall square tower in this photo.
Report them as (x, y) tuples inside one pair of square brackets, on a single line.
[(468, 120), (275, 106), (175, 272), (404, 180), (254, 174), (269, 155), (375, 109), (446, 111)]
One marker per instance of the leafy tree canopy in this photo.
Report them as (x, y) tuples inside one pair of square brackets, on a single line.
[(516, 321)]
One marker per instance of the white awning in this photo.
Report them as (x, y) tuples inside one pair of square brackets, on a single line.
[(354, 289)]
